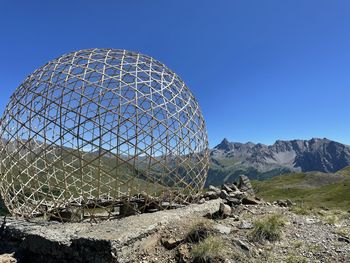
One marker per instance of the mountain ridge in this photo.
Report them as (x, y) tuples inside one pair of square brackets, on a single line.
[(260, 161), (316, 154)]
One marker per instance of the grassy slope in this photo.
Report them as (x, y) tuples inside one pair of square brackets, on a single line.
[(298, 187), (219, 175), (129, 181)]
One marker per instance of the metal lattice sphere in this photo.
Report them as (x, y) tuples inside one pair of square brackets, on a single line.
[(96, 129)]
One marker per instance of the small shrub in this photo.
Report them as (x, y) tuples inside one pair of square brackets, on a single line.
[(331, 219), (314, 248), (344, 216), (295, 259), (199, 231), (208, 250), (300, 210), (298, 244), (343, 231), (268, 228)]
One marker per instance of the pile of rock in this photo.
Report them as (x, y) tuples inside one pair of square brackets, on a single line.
[(233, 195), (7, 258)]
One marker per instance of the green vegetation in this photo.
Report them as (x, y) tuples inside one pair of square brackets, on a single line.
[(309, 190), (300, 209), (221, 172), (292, 258), (268, 228), (65, 164), (208, 250), (199, 231), (297, 244), (345, 171), (331, 219), (78, 171), (206, 246), (343, 231), (314, 248), (90, 172)]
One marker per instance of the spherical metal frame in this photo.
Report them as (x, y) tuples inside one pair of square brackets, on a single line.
[(97, 128)]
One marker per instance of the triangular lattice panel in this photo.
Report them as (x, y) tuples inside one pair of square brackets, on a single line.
[(97, 130)]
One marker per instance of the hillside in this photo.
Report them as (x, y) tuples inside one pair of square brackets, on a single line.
[(259, 161), (217, 230), (229, 160), (311, 189)]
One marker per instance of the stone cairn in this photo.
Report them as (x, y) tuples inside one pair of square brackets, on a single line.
[(233, 195)]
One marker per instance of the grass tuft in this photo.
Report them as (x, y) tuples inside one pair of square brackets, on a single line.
[(300, 210), (208, 250), (199, 231), (331, 219), (296, 259), (268, 228), (343, 231)]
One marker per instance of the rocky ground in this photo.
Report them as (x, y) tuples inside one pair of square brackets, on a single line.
[(230, 225), (322, 237)]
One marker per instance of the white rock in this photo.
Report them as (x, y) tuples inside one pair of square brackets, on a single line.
[(222, 229)]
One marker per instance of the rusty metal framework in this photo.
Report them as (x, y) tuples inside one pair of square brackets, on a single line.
[(100, 132)]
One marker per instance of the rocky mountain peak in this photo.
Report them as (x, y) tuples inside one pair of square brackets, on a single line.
[(225, 145), (316, 154)]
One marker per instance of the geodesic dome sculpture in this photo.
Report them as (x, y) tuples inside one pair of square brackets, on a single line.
[(99, 128)]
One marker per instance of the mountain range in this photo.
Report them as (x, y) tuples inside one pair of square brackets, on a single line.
[(228, 160), (259, 161)]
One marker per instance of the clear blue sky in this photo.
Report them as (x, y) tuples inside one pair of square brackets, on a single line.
[(261, 70)]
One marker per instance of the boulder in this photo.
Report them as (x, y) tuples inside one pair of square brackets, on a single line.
[(237, 194), (149, 244), (128, 210), (7, 258), (245, 186), (250, 201), (170, 243), (201, 201), (284, 203), (289, 202), (223, 194), (222, 229), (184, 254), (146, 196), (344, 239), (245, 225), (226, 188), (225, 210), (242, 245), (232, 201), (214, 189), (234, 187), (211, 195)]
